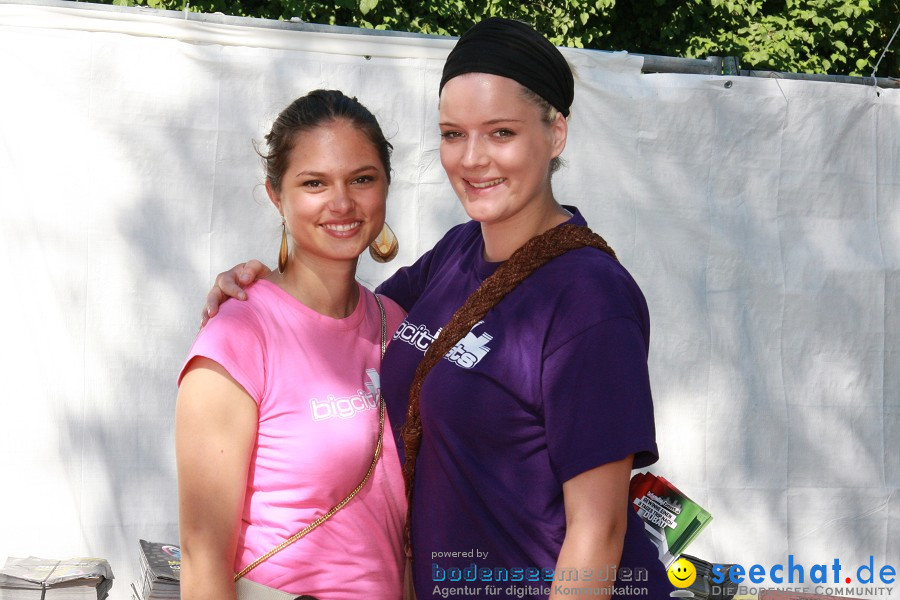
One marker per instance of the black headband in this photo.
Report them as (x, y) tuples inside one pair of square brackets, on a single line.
[(513, 49)]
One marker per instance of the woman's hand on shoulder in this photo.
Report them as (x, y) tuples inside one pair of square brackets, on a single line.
[(231, 284)]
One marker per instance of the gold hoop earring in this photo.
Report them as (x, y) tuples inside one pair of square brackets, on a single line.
[(283, 253), (385, 247)]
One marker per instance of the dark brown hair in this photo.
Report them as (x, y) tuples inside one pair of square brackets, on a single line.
[(315, 109)]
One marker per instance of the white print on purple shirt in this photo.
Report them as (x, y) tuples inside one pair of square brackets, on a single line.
[(347, 406), (467, 352)]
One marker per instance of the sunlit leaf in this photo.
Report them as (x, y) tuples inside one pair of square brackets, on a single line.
[(366, 6)]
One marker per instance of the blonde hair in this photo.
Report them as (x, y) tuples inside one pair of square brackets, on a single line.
[(548, 116)]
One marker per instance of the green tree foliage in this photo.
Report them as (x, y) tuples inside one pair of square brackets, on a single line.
[(806, 36)]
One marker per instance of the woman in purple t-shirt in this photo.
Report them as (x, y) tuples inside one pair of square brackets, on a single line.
[(533, 422)]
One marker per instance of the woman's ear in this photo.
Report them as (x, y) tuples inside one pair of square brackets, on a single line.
[(559, 129), (273, 196)]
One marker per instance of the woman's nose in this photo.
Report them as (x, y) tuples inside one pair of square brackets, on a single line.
[(474, 154), (341, 200)]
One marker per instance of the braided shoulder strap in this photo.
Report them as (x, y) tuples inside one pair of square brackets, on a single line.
[(537, 252), (355, 490)]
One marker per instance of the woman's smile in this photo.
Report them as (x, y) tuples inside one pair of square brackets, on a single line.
[(346, 229), (482, 185)]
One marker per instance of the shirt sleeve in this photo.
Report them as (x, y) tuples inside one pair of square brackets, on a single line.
[(597, 403), (406, 285), (234, 339)]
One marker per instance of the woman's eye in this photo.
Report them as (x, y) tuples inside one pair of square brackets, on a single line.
[(504, 133), (312, 183), (450, 135), (364, 179)]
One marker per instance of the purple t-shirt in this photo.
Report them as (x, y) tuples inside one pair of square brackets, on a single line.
[(553, 382)]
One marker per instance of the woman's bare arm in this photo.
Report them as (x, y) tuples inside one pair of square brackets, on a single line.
[(596, 504), (215, 432)]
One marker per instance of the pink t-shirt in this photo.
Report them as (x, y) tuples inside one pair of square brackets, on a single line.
[(316, 382)]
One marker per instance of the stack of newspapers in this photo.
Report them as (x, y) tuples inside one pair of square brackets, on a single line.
[(160, 572), (35, 578)]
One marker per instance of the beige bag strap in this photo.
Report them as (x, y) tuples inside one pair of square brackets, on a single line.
[(353, 493)]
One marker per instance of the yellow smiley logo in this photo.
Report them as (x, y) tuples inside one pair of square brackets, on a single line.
[(682, 573)]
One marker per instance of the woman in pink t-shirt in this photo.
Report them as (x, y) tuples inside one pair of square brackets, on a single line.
[(278, 407)]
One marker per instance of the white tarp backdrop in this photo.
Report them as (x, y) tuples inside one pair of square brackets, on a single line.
[(761, 218)]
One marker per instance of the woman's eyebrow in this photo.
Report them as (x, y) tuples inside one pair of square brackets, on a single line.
[(488, 122), (322, 175)]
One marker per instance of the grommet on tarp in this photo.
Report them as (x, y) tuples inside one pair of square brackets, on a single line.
[(728, 84)]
